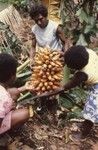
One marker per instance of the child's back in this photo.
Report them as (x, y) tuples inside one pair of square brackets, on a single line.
[(91, 69)]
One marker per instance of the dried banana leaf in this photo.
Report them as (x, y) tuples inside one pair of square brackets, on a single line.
[(11, 17), (53, 9)]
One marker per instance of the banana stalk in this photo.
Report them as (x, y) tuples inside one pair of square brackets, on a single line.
[(21, 75), (24, 65)]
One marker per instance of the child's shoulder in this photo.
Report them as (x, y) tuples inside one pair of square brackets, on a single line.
[(91, 52), (3, 93)]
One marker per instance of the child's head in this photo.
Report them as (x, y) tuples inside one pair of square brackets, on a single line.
[(76, 57), (8, 66), (39, 14)]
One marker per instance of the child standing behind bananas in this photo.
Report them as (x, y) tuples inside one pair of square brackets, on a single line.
[(46, 32)]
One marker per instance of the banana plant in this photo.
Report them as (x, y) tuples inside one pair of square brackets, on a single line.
[(80, 20), (53, 9)]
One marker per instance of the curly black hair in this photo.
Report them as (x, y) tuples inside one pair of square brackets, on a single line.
[(38, 9), (8, 66), (76, 57)]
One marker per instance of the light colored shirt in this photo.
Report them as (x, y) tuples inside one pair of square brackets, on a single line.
[(47, 36), (6, 103), (91, 69)]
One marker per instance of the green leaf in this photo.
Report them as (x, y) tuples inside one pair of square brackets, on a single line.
[(82, 15), (79, 95), (66, 103), (78, 13), (22, 97), (23, 2), (76, 111), (71, 115), (27, 73), (88, 28), (81, 40), (66, 74), (91, 20)]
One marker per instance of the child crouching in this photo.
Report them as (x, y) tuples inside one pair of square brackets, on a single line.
[(9, 118), (85, 63)]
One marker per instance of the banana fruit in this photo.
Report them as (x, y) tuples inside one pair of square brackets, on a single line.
[(47, 71)]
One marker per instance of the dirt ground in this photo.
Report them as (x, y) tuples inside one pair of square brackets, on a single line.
[(45, 132)]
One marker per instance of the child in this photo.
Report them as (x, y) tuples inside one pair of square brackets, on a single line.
[(85, 63), (9, 118)]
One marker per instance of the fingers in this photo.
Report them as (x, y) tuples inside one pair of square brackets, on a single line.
[(30, 87), (22, 89)]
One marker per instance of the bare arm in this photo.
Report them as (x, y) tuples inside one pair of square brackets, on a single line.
[(66, 42), (78, 78), (60, 34), (15, 92)]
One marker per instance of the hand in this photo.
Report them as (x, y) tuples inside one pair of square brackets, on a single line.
[(62, 57), (14, 93), (68, 44), (61, 54), (22, 89), (29, 87)]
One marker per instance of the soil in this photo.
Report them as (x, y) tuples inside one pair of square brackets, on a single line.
[(48, 132)]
